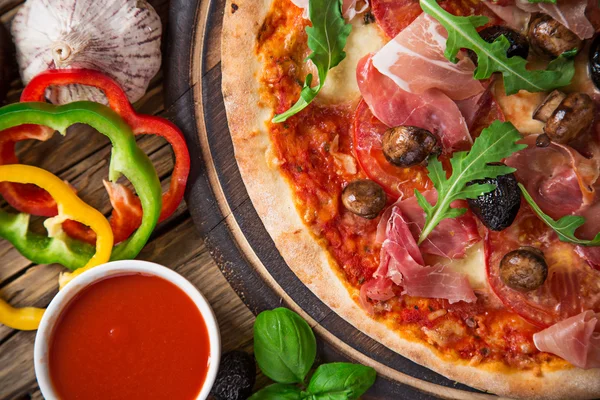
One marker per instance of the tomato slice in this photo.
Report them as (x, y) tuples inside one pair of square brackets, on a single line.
[(395, 15), (397, 181), (572, 285)]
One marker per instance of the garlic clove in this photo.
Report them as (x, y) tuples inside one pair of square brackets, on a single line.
[(121, 38)]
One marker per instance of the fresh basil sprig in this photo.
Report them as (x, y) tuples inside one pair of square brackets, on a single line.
[(495, 143), (285, 350), (491, 57), (326, 38), (565, 227)]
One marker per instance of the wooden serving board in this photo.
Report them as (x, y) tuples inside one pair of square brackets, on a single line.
[(225, 217)]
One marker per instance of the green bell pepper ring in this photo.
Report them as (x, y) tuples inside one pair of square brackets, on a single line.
[(127, 159)]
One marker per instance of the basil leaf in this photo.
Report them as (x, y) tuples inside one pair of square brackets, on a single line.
[(284, 345), (278, 391), (565, 227), (326, 38), (491, 57), (340, 381), (495, 143)]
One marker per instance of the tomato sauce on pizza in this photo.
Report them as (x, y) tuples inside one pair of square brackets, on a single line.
[(502, 277)]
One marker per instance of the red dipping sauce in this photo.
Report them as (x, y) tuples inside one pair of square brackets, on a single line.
[(129, 337)]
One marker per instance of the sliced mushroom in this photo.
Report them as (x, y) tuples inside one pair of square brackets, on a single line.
[(550, 103), (406, 146), (573, 116), (524, 269), (364, 198), (549, 37)]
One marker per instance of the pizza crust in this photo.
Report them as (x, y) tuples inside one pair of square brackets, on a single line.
[(272, 198)]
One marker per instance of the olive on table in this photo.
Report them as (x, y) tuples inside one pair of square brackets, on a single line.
[(364, 198), (497, 209), (573, 116), (407, 146), (524, 269), (594, 62), (236, 377), (518, 43), (549, 37)]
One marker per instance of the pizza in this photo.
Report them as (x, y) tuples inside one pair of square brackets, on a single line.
[(429, 170)]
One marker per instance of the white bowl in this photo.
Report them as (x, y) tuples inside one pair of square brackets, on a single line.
[(118, 268)]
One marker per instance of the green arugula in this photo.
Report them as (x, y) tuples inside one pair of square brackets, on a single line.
[(491, 57), (565, 227), (326, 38), (495, 143), (542, 1), (285, 350)]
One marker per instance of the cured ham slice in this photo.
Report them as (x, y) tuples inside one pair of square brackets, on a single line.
[(402, 263), (431, 110), (512, 15), (415, 61), (576, 339), (559, 178), (570, 13), (349, 8)]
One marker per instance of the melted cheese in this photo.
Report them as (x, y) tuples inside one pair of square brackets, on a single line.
[(519, 108), (341, 85), (473, 266)]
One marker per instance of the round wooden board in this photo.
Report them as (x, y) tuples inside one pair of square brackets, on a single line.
[(225, 217)]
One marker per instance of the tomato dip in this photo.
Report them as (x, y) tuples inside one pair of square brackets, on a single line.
[(129, 337)]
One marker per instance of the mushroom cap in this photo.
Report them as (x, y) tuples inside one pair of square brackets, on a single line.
[(120, 38)]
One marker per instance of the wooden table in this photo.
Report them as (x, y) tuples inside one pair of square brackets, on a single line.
[(82, 158)]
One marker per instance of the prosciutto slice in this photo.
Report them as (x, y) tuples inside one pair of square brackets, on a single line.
[(559, 178), (576, 339), (402, 263), (570, 13), (349, 8), (431, 110), (512, 15), (415, 61)]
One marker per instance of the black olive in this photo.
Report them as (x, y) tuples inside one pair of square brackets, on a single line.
[(364, 198), (595, 61), (573, 116), (498, 208), (549, 37), (524, 269), (406, 146), (236, 376), (518, 43)]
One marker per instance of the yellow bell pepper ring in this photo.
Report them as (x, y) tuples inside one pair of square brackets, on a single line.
[(69, 207)]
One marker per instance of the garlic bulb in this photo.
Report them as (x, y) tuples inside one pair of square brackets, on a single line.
[(121, 38)]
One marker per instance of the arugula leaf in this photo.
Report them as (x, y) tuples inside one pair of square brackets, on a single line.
[(284, 345), (491, 57), (542, 1), (496, 142), (326, 38), (565, 227), (340, 381)]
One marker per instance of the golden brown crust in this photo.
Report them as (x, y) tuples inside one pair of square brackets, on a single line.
[(272, 197)]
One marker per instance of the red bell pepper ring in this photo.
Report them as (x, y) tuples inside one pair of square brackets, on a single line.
[(37, 202)]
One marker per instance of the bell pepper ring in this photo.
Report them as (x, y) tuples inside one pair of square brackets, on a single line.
[(127, 159), (33, 200), (69, 207)]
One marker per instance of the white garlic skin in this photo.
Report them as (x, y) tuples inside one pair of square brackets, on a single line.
[(121, 38)]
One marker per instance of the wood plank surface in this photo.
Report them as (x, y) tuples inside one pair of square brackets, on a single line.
[(82, 158)]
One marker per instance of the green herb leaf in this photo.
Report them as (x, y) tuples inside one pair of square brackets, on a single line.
[(542, 1), (278, 391), (326, 38), (340, 381), (495, 143), (565, 227), (491, 57), (284, 345)]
